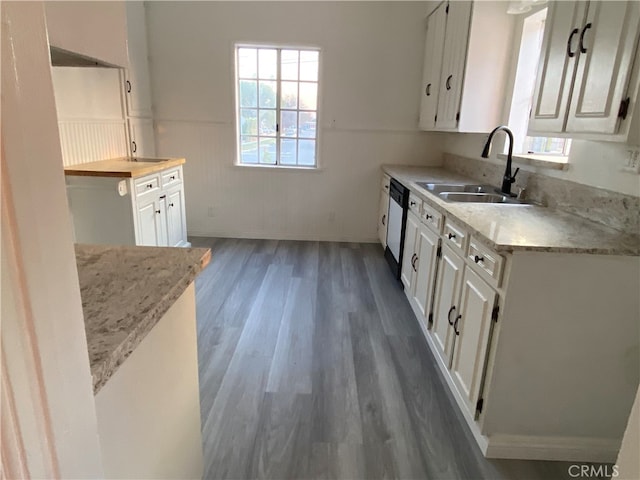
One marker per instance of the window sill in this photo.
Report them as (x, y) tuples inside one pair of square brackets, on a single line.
[(276, 168), (550, 162)]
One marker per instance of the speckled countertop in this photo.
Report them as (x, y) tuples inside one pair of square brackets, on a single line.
[(125, 290), (509, 228)]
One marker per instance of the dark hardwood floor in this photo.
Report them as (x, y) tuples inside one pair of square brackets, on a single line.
[(312, 366)]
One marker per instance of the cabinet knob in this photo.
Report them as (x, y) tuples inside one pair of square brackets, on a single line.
[(172, 177), (413, 204), (451, 235), (427, 216), (478, 259), (157, 211), (448, 82), (149, 185), (571, 35), (171, 204)]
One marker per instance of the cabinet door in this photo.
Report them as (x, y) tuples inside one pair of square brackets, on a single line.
[(453, 62), (162, 233), (426, 263), (176, 225), (556, 67), (446, 303), (138, 90), (382, 218), (608, 40), (432, 67), (473, 331), (148, 223), (142, 137), (408, 268)]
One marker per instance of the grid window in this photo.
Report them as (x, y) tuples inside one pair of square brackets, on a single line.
[(277, 92)]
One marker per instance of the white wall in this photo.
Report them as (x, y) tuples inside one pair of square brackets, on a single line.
[(90, 113), (628, 461), (370, 85), (598, 164), (93, 29)]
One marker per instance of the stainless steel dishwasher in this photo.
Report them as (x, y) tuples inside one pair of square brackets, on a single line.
[(398, 206)]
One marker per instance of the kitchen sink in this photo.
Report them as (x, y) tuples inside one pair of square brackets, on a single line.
[(437, 188), (470, 197), (149, 160)]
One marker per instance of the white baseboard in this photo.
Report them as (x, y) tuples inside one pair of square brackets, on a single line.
[(288, 236)]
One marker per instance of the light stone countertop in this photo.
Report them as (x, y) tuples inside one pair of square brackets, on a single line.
[(509, 228), (122, 167), (125, 291)]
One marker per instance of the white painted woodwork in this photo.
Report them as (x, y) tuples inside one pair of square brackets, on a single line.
[(415, 204), (426, 264), (367, 118), (152, 211), (149, 410), (475, 47), (432, 218), (453, 64), (85, 141), (141, 137), (382, 218), (410, 237), (455, 236), (47, 405), (602, 74), (487, 263), (432, 67), (138, 90), (96, 30), (473, 325), (556, 68), (628, 462), (446, 303)]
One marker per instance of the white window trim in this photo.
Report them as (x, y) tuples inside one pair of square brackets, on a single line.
[(318, 167)]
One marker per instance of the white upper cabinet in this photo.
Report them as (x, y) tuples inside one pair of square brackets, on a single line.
[(432, 67), (466, 66), (585, 82), (137, 81), (141, 137)]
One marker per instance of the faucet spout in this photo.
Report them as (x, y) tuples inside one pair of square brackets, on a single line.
[(508, 178)]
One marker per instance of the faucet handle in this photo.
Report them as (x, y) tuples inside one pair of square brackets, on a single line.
[(513, 177)]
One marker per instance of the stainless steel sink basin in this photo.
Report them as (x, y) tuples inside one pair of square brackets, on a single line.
[(149, 160), (437, 188), (479, 198)]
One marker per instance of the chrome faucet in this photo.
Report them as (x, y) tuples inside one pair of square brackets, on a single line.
[(508, 179)]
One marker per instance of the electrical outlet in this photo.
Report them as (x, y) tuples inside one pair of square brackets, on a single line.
[(632, 164)]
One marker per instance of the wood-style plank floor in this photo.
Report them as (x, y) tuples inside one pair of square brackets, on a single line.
[(313, 366)]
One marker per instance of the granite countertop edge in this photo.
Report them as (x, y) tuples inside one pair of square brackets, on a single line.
[(404, 174), (103, 370)]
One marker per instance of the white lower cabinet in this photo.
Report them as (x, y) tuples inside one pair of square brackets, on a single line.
[(426, 263), (472, 329), (383, 213), (409, 255), (176, 222), (148, 223)]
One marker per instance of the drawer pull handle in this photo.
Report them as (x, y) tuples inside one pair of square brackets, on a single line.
[(569, 52), (455, 325), (448, 82), (135, 147), (157, 211), (384, 219), (412, 203), (172, 177), (478, 259), (149, 185), (162, 196), (427, 90), (171, 204), (584, 30), (427, 216), (414, 258), (453, 307), (128, 86), (386, 187), (451, 235)]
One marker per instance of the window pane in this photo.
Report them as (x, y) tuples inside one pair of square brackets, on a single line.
[(307, 152), (288, 123), (268, 94), (248, 93), (308, 96), (267, 122), (247, 62), (307, 124), (248, 122), (268, 150), (309, 66), (289, 65), (289, 93), (267, 63), (249, 150), (288, 152)]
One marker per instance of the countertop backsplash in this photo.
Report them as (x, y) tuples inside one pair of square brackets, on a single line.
[(613, 209)]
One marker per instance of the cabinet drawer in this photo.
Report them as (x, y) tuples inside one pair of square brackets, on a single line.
[(147, 184), (415, 204), (386, 180), (455, 236), (487, 262), (431, 218), (171, 177)]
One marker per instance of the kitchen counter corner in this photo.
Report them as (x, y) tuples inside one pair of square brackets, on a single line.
[(125, 291)]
